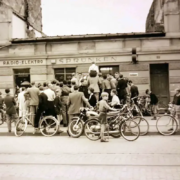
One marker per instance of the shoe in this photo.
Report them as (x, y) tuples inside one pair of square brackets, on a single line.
[(154, 118), (9, 131), (104, 140), (171, 129), (65, 125), (35, 130)]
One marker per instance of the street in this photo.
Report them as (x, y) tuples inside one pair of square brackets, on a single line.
[(151, 157)]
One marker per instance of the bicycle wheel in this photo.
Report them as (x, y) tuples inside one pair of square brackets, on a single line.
[(48, 126), (143, 124), (76, 128), (129, 130), (166, 125), (20, 127), (92, 129)]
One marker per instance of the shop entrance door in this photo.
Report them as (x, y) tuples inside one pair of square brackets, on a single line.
[(20, 76), (159, 77), (108, 69)]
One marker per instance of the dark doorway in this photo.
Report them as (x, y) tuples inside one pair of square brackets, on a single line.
[(159, 75), (20, 76), (108, 69)]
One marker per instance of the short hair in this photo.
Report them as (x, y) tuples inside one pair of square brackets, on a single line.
[(91, 90), (41, 88), (45, 84), (7, 90), (130, 81), (121, 76), (93, 62), (82, 80), (104, 94), (53, 82), (76, 87), (65, 82), (69, 82), (61, 84), (57, 83), (0, 93), (73, 83), (23, 88), (147, 91), (105, 77), (114, 91), (33, 83), (73, 74)]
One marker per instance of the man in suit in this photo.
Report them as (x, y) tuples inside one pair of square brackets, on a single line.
[(76, 100), (34, 100), (134, 91), (121, 89), (41, 108), (10, 109)]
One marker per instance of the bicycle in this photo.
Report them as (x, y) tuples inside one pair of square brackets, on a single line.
[(167, 124), (117, 125), (140, 120), (48, 125)]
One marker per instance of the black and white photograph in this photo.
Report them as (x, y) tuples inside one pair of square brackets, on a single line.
[(89, 89)]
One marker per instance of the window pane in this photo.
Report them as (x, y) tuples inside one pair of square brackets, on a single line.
[(70, 70), (59, 70)]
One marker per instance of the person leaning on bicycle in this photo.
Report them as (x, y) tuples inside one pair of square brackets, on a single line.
[(103, 108), (176, 103)]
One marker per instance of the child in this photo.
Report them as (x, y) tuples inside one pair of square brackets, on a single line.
[(92, 97), (153, 103), (103, 108), (115, 100)]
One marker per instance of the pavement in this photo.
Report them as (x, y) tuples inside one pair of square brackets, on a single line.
[(65, 158), (35, 157)]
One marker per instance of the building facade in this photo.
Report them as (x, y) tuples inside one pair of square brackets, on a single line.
[(45, 59)]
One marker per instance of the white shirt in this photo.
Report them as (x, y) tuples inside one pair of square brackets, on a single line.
[(115, 101), (94, 67), (50, 94)]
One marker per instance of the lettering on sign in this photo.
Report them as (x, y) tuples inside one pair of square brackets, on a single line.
[(22, 62), (86, 60)]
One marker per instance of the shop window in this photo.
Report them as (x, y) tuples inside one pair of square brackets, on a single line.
[(20, 76), (108, 69), (64, 73)]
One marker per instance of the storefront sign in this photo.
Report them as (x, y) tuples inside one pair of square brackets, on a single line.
[(88, 60), (22, 62)]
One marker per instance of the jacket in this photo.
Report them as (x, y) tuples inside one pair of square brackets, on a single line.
[(57, 105), (134, 91), (94, 83), (1, 102), (10, 104), (176, 100), (154, 99), (84, 89), (76, 100), (92, 100), (42, 102)]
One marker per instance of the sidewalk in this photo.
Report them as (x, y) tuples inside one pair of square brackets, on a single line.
[(29, 130)]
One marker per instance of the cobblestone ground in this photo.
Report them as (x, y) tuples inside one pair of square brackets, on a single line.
[(64, 158)]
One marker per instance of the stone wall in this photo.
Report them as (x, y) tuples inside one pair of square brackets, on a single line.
[(29, 9)]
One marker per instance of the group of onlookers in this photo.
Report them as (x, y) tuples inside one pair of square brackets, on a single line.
[(63, 100)]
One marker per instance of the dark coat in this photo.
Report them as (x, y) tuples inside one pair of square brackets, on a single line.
[(10, 104), (1, 102), (154, 99), (57, 105), (42, 102), (176, 100), (134, 91), (84, 89), (93, 100)]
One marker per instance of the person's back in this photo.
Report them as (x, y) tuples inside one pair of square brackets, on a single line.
[(134, 91), (33, 93), (10, 104), (93, 83), (107, 84)]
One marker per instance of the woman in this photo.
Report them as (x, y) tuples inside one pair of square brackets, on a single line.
[(93, 83)]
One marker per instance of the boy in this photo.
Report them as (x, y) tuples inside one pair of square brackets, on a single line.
[(103, 108), (153, 102), (115, 100), (10, 109)]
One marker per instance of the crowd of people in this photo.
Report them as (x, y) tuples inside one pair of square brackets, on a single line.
[(64, 99)]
